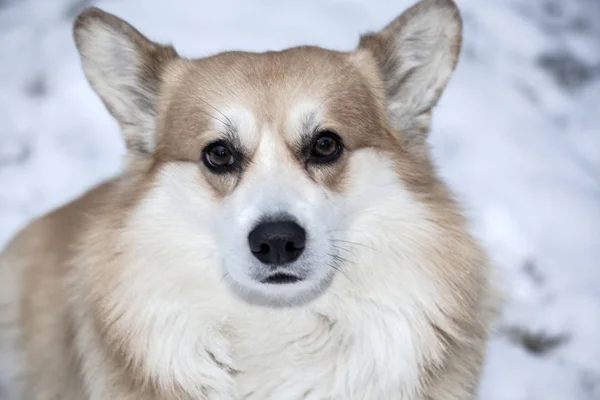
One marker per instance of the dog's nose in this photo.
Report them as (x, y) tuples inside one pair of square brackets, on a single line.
[(277, 243)]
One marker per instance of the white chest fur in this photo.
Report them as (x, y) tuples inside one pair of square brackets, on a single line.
[(367, 353)]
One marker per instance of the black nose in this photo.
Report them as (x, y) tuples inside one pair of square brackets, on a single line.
[(277, 243)]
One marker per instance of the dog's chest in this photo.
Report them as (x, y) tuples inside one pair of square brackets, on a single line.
[(363, 355)]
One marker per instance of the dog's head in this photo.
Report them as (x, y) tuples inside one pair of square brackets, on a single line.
[(271, 170)]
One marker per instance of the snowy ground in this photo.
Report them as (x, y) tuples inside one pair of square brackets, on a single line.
[(517, 135)]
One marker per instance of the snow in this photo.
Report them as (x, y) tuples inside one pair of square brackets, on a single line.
[(517, 135)]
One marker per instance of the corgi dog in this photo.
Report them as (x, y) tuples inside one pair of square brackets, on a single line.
[(279, 231)]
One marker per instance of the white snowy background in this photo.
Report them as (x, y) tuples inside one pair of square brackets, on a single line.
[(517, 135)]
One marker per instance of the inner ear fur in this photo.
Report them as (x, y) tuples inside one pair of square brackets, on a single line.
[(124, 68), (416, 55)]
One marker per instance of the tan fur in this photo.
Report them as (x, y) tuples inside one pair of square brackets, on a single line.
[(194, 95), (73, 274)]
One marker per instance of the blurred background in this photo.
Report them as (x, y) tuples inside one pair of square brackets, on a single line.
[(516, 135)]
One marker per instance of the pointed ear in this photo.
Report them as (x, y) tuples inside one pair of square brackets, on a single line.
[(416, 54), (125, 70)]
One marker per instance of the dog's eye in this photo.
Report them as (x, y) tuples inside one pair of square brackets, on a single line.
[(327, 147), (218, 156)]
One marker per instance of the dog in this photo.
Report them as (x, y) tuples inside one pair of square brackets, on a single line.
[(279, 231)]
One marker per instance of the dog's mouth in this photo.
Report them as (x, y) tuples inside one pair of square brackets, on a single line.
[(281, 278), (281, 287)]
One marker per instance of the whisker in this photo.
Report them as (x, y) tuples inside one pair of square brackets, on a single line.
[(223, 278), (352, 243), (337, 247), (340, 258), (344, 230), (213, 117), (341, 271), (227, 121)]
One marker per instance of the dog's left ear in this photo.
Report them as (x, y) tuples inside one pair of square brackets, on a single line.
[(416, 54), (125, 69)]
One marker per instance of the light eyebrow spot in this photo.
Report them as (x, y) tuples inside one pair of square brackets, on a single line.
[(303, 120), (310, 123), (242, 126)]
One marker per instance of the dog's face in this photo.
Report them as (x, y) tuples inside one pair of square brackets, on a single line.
[(261, 163), (269, 143)]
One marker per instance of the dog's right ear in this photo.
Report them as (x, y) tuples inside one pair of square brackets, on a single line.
[(125, 70), (416, 54)]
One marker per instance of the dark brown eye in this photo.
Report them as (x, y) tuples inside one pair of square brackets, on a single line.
[(326, 148), (218, 157)]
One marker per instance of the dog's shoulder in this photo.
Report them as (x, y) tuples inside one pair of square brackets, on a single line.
[(49, 235), (34, 262)]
